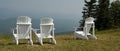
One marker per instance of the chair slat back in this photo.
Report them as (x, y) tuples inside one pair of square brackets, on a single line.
[(46, 20), (89, 23), (23, 20), (23, 31), (46, 29), (90, 19), (46, 26), (23, 27), (88, 26)]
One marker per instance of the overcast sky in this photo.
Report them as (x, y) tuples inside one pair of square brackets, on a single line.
[(73, 7), (66, 7)]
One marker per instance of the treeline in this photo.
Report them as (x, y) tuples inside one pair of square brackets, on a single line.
[(107, 14)]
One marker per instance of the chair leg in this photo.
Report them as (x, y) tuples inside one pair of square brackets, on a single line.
[(50, 40), (16, 41), (75, 37), (54, 41), (94, 37), (40, 41), (86, 38), (31, 42)]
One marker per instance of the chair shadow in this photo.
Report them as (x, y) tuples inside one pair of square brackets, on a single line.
[(11, 44), (68, 39), (73, 38), (37, 43), (2, 44), (18, 44)]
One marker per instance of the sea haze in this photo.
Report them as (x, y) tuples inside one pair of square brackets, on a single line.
[(66, 13), (63, 23)]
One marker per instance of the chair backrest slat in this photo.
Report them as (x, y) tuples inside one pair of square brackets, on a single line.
[(23, 20), (89, 23), (23, 26), (46, 26), (46, 20)]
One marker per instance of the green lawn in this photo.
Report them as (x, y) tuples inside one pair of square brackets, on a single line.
[(108, 40)]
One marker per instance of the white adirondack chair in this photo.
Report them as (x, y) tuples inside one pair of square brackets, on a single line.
[(89, 25), (23, 29), (46, 30)]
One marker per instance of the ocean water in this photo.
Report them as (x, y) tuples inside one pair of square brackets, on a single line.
[(62, 24)]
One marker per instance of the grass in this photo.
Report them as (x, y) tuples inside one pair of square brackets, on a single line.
[(108, 40)]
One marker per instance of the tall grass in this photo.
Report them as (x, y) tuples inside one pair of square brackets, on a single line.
[(108, 40)]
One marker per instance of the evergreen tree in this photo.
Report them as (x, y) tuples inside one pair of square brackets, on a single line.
[(106, 16), (88, 11), (104, 20), (115, 13)]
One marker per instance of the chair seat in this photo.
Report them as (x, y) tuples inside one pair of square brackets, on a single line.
[(20, 36), (81, 33), (43, 36)]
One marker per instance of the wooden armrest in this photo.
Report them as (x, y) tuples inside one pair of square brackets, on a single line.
[(14, 30), (36, 30), (78, 28)]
